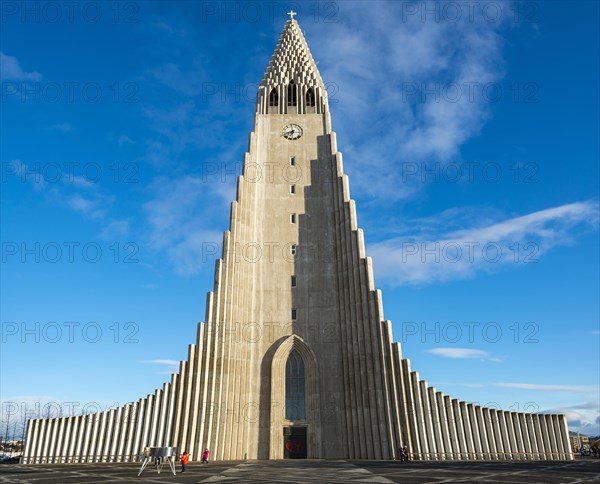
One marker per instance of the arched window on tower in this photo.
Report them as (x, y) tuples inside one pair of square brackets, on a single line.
[(291, 94), (294, 387), (310, 98), (273, 98)]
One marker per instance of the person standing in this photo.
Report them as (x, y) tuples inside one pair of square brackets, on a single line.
[(185, 458), (205, 455)]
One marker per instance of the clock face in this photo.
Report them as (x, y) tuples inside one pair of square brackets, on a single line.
[(292, 131)]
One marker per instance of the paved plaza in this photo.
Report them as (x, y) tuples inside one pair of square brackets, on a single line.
[(313, 471)]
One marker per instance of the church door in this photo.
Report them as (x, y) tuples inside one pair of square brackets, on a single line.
[(294, 442)]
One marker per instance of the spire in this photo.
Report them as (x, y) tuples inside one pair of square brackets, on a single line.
[(292, 83)]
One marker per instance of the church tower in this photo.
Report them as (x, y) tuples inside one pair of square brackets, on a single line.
[(295, 358)]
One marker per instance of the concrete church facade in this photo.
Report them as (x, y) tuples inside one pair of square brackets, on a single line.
[(295, 358)]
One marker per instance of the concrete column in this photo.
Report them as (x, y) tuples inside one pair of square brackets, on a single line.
[(73, 440), (546, 436), (67, 439), (452, 426), (470, 446), (539, 437), (147, 419), (78, 437), (497, 434), (87, 432), (525, 435), (414, 445), (162, 416), (427, 418), (559, 441), (37, 443), (483, 436), (60, 435), (187, 398), (513, 430), (117, 435), (460, 431), (153, 436), (474, 424), (195, 397), (529, 424), (562, 421), (424, 448), (124, 432), (138, 445), (444, 426), (131, 429), (503, 420), (47, 429), (552, 437), (108, 435), (437, 427)]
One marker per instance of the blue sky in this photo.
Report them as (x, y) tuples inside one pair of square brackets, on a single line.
[(470, 138)]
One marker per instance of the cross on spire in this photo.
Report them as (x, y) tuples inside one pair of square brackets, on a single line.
[(291, 13)]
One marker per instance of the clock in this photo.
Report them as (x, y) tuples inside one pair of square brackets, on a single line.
[(292, 131)]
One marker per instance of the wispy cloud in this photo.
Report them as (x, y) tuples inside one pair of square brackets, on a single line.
[(10, 70), (460, 254), (379, 83), (550, 388), (64, 127), (22, 172), (162, 362), (115, 229), (171, 366), (71, 191), (583, 417), (459, 353), (124, 139), (180, 222)]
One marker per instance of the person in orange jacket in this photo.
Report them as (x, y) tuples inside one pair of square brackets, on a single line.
[(185, 458)]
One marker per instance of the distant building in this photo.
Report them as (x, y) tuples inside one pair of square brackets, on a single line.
[(578, 441)]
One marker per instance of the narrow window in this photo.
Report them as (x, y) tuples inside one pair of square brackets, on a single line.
[(292, 100), (273, 98), (293, 281), (293, 218), (292, 161), (292, 189), (294, 387), (293, 249), (310, 98), (294, 314)]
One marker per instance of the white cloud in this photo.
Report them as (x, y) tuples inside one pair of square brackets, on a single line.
[(91, 206), (64, 127), (171, 366), (181, 222), (115, 229), (550, 388), (459, 353), (583, 417), (21, 171), (379, 82), (162, 362), (124, 139), (10, 70), (460, 254)]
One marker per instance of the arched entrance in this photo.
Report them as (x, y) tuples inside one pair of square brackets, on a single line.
[(295, 423)]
